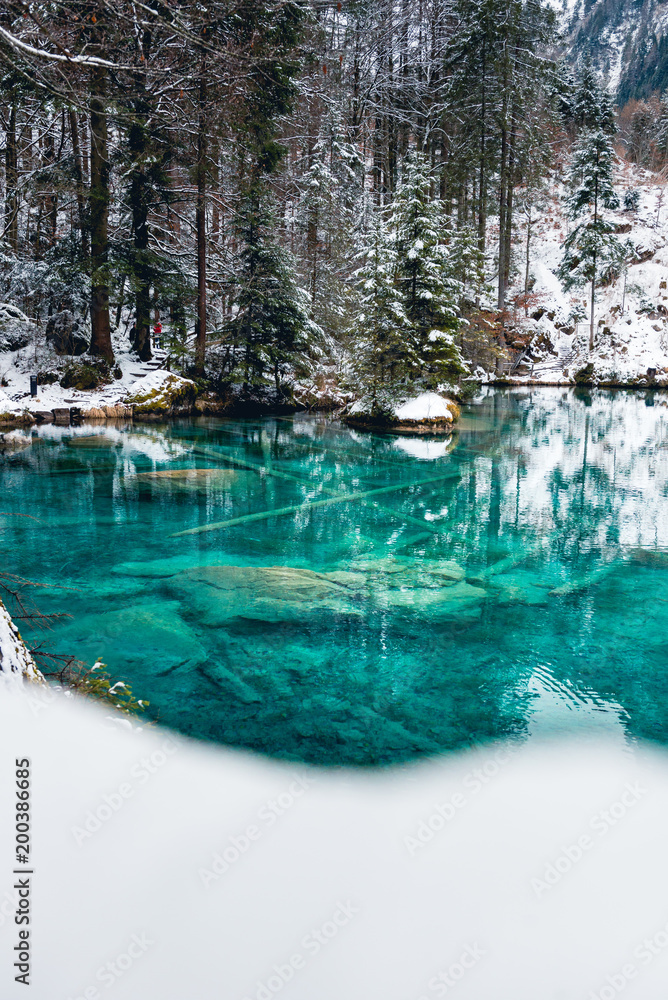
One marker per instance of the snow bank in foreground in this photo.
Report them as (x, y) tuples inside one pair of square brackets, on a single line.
[(173, 870), (426, 406)]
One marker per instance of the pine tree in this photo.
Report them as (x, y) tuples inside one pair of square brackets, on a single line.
[(591, 250), (271, 324), (467, 265), (326, 214), (383, 362), (592, 106), (430, 294), (499, 85), (472, 93)]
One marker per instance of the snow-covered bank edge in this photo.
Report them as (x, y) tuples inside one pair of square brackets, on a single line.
[(159, 393), (16, 663)]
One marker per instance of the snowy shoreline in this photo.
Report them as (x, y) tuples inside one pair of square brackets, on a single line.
[(64, 414)]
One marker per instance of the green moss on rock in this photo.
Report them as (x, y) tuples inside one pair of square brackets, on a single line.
[(174, 394)]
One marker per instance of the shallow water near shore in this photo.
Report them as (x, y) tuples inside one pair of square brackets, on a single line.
[(294, 587)]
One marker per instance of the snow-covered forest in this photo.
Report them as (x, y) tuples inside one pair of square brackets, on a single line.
[(315, 203)]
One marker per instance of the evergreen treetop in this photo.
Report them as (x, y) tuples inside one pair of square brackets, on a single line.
[(592, 106)]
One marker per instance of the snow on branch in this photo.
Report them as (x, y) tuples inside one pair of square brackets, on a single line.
[(21, 46)]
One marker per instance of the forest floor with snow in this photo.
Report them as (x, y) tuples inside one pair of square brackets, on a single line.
[(631, 314), (129, 380)]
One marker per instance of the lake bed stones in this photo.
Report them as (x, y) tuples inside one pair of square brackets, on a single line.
[(456, 601), (190, 479), (149, 639), (214, 595)]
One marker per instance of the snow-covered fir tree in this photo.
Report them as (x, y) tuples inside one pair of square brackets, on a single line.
[(327, 211), (271, 325), (429, 291), (591, 250), (466, 264), (592, 107), (383, 361)]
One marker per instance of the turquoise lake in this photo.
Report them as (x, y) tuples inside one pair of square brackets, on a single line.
[(290, 586)]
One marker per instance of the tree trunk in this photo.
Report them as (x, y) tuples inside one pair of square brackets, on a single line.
[(503, 193), (79, 178), (593, 279), (527, 269), (215, 208), (11, 181), (100, 342), (593, 299), (51, 201), (482, 203), (120, 303), (139, 200), (200, 221), (507, 234)]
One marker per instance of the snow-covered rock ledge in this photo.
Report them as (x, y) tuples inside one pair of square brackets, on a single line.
[(428, 413), (158, 393), (15, 660)]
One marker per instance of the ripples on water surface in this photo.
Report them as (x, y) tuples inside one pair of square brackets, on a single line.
[(510, 582)]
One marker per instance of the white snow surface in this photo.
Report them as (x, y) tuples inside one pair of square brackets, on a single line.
[(6, 404), (426, 406), (157, 380), (164, 868)]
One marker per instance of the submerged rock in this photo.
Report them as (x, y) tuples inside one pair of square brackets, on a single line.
[(352, 581), (447, 570), (189, 479), (214, 595), (458, 600), (217, 594), (150, 638), (156, 568), (92, 441), (413, 572), (386, 564), (519, 589)]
